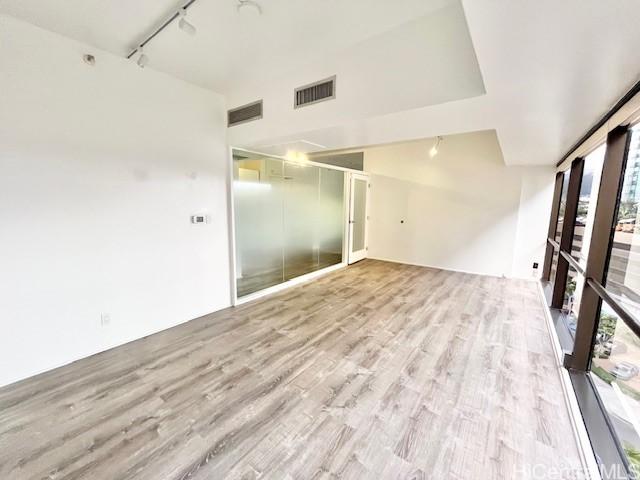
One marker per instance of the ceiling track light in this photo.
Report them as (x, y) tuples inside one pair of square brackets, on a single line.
[(143, 59), (250, 7), (183, 24), (434, 150)]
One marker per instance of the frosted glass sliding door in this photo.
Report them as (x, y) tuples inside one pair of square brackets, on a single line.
[(289, 219)]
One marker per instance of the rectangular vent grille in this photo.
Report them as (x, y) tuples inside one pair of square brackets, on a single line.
[(315, 92), (246, 113)]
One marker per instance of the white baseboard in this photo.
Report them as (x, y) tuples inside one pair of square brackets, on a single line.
[(440, 268)]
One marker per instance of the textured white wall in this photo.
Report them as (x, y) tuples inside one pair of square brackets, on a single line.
[(100, 170), (462, 210)]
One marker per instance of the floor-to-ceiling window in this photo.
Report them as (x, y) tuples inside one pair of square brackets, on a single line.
[(553, 238), (615, 365), (559, 224), (623, 273), (289, 219), (587, 201), (563, 205), (595, 235), (614, 370)]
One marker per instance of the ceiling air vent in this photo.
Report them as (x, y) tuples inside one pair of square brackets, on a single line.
[(246, 113), (315, 92)]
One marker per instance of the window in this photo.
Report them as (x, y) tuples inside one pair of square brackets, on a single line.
[(563, 205), (589, 188), (614, 371), (554, 267), (623, 274), (571, 301)]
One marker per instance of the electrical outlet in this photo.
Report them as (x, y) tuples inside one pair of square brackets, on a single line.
[(105, 319)]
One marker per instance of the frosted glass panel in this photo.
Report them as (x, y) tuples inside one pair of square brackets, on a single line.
[(359, 213), (258, 194), (331, 216), (289, 219), (301, 246)]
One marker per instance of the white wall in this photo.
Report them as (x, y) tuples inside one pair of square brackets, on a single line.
[(462, 210), (100, 170), (536, 195)]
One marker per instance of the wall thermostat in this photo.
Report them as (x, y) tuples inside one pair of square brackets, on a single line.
[(198, 219)]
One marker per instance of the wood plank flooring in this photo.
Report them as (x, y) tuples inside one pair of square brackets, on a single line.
[(376, 371)]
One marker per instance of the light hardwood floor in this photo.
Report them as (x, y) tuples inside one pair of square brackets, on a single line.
[(375, 371)]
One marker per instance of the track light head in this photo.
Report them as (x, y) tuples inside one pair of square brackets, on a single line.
[(184, 25), (142, 59), (434, 150)]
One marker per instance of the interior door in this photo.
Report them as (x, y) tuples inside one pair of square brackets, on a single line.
[(358, 217)]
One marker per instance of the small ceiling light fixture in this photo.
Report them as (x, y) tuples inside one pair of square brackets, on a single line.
[(434, 150), (89, 59), (297, 157), (142, 59), (184, 25), (249, 7)]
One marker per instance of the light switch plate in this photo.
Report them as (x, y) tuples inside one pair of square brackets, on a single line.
[(199, 219)]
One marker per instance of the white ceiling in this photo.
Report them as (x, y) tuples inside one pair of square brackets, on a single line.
[(229, 49), (549, 68)]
